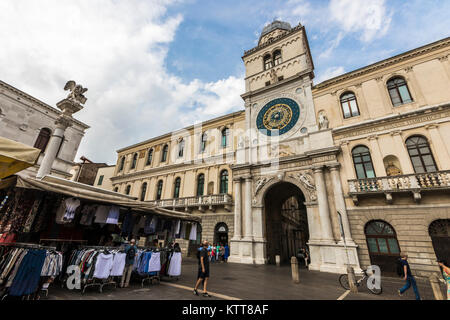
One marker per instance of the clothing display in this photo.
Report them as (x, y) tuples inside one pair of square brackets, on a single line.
[(183, 230), (101, 214), (103, 266), (193, 233), (174, 268), (113, 215), (88, 214), (118, 264), (71, 205)]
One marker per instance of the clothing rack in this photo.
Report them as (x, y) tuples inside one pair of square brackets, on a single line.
[(26, 245)]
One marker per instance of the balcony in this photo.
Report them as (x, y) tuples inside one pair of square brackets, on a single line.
[(413, 183), (202, 203)]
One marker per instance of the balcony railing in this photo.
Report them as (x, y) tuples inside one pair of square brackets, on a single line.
[(201, 202), (414, 183)]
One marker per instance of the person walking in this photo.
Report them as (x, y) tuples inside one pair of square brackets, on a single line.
[(203, 270), (131, 252), (407, 276), (212, 257), (222, 253), (217, 252), (446, 274), (227, 253)]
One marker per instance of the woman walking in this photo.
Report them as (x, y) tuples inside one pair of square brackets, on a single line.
[(446, 274)]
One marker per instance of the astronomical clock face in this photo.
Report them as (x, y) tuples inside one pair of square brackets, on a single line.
[(278, 117)]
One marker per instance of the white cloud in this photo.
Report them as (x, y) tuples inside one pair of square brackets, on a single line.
[(333, 45), (370, 17), (329, 73), (117, 49)]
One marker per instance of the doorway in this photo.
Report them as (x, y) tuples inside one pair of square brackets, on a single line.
[(221, 234), (439, 231)]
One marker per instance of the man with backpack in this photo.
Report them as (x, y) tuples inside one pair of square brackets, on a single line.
[(404, 271), (203, 269), (131, 252)]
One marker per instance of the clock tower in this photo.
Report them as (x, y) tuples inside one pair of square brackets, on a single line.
[(286, 160)]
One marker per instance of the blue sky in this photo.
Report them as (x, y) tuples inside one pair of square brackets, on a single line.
[(153, 66)]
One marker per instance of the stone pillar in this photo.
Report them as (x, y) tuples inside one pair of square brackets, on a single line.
[(340, 201), (362, 104), (248, 209), (377, 157), (237, 209), (404, 158), (62, 123), (440, 148), (346, 154), (324, 211)]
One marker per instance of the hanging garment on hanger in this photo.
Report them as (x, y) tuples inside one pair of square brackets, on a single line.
[(137, 222), (101, 215), (154, 264), (118, 264), (148, 228), (175, 265), (193, 234), (103, 266), (88, 214), (177, 227), (113, 215), (71, 206), (183, 230)]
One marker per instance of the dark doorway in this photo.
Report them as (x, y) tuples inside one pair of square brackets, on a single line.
[(286, 224), (221, 234), (383, 246), (440, 235)]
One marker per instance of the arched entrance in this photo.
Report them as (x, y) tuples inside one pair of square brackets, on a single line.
[(383, 246), (439, 231), (221, 234), (286, 224)]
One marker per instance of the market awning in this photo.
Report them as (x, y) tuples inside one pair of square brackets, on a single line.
[(91, 193), (15, 157)]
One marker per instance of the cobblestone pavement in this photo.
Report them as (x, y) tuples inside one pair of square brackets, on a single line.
[(248, 282)]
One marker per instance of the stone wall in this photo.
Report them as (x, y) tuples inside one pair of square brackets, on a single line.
[(209, 222)]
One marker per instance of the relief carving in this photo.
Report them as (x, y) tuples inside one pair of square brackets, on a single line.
[(307, 181)]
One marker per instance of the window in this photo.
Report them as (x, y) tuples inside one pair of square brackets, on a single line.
[(420, 153), (280, 78), (349, 105), (133, 163), (128, 189), (176, 190), (204, 138), (381, 238), (43, 139), (116, 189), (225, 135), (200, 184), (363, 162), (143, 191), (100, 180), (181, 148), (149, 157), (159, 190), (267, 62), (267, 83), (277, 58), (122, 164), (164, 153), (399, 92), (224, 181)]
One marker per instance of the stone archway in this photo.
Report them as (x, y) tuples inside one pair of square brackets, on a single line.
[(285, 221), (221, 234)]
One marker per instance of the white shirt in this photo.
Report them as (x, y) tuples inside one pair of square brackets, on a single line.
[(103, 266), (113, 215)]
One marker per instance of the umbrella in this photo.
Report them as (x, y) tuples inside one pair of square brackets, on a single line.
[(15, 157)]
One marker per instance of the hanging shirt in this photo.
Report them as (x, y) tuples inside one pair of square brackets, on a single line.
[(103, 266), (183, 230), (113, 215), (177, 227), (148, 228), (154, 264), (71, 206), (193, 235), (88, 214), (175, 265), (118, 264), (101, 214)]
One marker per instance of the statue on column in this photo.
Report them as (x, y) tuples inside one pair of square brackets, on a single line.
[(76, 92)]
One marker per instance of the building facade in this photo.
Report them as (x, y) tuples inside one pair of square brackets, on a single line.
[(30, 121), (103, 178), (86, 171), (348, 163)]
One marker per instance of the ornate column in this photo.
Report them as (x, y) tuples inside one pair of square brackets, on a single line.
[(248, 209), (237, 209), (404, 158), (322, 199), (440, 148), (340, 201), (68, 106), (378, 164), (347, 160)]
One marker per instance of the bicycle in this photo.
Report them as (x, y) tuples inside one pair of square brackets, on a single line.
[(343, 280)]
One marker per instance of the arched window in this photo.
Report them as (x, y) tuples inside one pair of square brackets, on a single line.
[(176, 189), (133, 163), (143, 191), (225, 135), (43, 139), (159, 190), (224, 181), (200, 184), (204, 138), (149, 157), (267, 62), (277, 58), (164, 153), (128, 189), (122, 164), (349, 105), (420, 153), (116, 189), (399, 92), (181, 148), (363, 162), (381, 238)]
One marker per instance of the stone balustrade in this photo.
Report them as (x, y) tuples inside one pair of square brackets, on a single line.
[(201, 203), (414, 183)]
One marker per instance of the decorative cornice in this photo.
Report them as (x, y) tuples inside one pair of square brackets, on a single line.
[(386, 63)]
